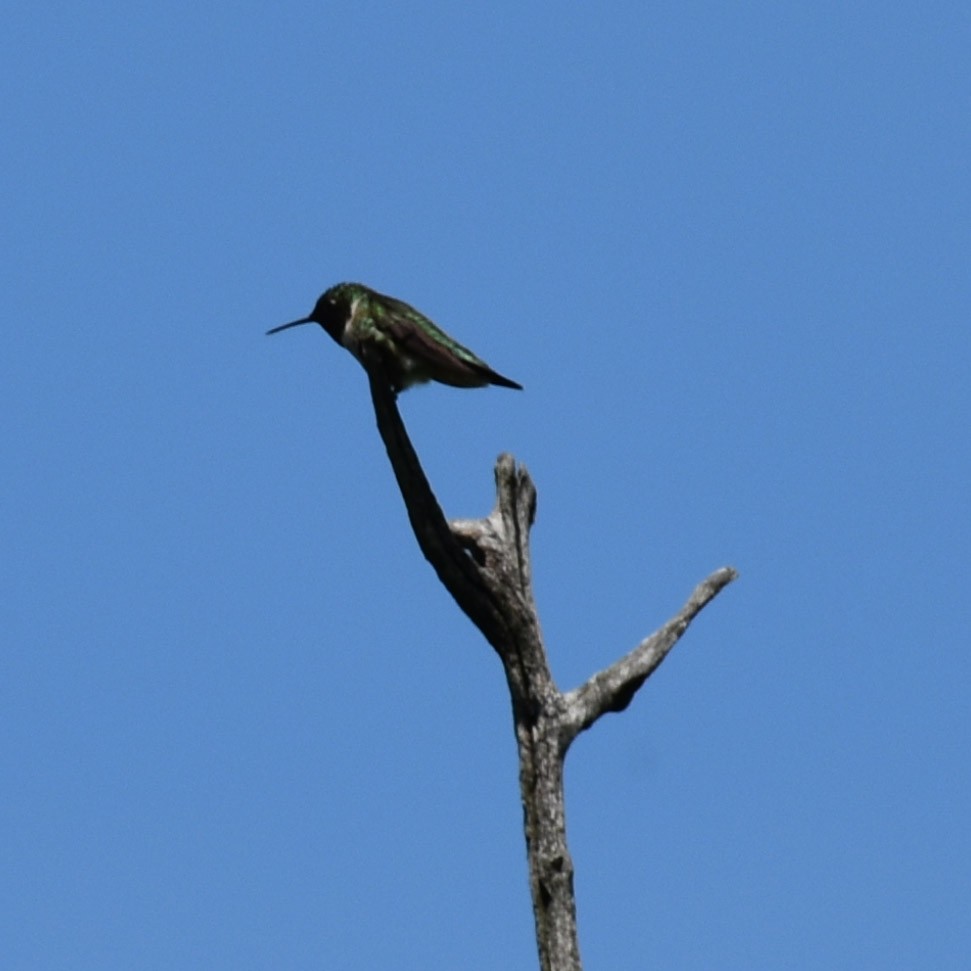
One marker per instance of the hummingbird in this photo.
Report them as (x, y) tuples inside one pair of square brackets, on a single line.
[(408, 346)]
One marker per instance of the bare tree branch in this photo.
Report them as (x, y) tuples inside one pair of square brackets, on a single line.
[(484, 564), (455, 568), (613, 688)]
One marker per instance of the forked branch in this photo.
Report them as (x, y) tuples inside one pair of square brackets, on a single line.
[(484, 564)]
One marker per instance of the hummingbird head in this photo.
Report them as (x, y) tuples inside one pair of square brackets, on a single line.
[(330, 311)]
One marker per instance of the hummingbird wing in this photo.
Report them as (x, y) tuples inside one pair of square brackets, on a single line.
[(448, 361)]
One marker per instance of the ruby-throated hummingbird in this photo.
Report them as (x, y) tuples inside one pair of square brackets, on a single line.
[(408, 346)]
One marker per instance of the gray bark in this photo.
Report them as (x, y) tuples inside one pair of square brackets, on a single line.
[(484, 564)]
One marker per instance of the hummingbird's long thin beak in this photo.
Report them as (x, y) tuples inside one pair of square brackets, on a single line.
[(293, 323)]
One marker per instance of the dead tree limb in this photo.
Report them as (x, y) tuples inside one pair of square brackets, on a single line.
[(484, 564)]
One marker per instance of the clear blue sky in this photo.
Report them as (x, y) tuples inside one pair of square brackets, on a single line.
[(725, 248)]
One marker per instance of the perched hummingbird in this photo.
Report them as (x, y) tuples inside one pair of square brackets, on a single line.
[(410, 348)]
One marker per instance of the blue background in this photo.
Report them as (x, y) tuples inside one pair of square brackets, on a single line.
[(726, 250)]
